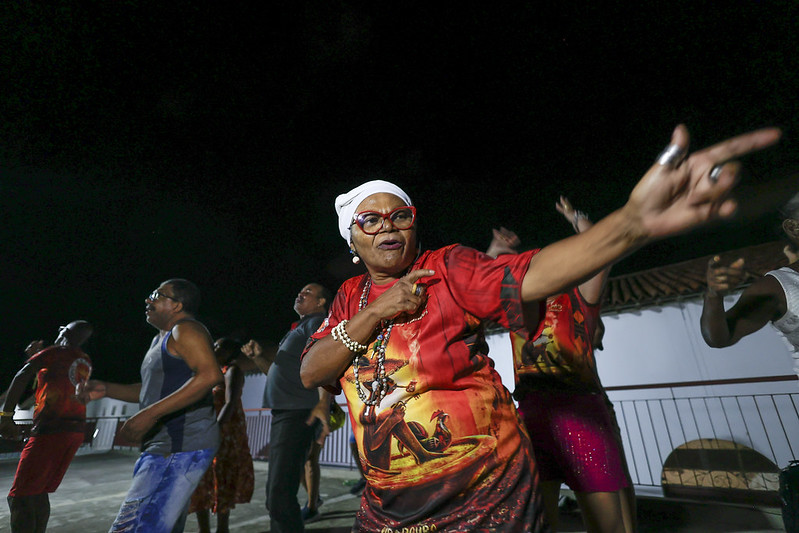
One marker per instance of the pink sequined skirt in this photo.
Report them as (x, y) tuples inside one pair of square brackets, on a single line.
[(576, 440)]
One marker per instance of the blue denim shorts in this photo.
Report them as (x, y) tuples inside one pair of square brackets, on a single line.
[(159, 496)]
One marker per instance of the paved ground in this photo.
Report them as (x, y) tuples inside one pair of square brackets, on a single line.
[(95, 485)]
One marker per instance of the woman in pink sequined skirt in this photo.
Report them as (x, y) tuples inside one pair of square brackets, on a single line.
[(568, 416)]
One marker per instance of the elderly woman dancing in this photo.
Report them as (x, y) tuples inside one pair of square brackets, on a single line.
[(438, 435)]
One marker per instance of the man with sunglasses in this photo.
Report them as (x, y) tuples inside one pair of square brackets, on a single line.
[(176, 424), (59, 420)]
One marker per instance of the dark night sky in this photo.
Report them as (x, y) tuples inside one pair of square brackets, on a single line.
[(143, 140)]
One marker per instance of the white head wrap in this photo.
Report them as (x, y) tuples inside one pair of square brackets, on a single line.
[(347, 203)]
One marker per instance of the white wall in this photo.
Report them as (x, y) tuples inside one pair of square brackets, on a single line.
[(664, 344)]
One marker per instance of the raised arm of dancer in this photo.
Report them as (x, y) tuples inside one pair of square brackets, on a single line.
[(759, 304), (677, 194), (591, 289), (96, 389), (263, 357)]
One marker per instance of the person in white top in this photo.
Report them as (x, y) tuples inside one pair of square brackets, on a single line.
[(772, 298)]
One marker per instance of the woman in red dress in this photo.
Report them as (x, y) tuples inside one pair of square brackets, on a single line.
[(230, 478)]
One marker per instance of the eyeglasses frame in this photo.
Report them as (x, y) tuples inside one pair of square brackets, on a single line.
[(356, 219), (156, 294)]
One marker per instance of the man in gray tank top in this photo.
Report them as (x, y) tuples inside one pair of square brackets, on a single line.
[(176, 424)]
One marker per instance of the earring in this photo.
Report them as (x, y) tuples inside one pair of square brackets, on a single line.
[(355, 258)]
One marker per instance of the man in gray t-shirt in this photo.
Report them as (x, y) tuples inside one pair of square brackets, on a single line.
[(298, 414)]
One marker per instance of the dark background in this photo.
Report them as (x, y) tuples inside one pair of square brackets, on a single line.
[(143, 140)]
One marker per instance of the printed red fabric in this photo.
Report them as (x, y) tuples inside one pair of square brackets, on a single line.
[(231, 478), (63, 372), (444, 449), (561, 353)]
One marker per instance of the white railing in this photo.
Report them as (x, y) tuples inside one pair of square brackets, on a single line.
[(336, 451), (720, 442)]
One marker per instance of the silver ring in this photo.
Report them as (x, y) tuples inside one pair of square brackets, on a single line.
[(715, 172), (671, 155)]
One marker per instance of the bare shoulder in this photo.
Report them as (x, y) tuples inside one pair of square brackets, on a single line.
[(234, 373), (234, 369), (190, 336), (189, 330), (767, 285), (766, 292)]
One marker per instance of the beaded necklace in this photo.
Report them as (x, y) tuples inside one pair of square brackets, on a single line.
[(380, 383)]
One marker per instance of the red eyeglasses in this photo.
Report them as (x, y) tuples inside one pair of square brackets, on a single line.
[(371, 222)]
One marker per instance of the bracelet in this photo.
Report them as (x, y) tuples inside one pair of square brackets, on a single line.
[(577, 216), (7, 414), (340, 334)]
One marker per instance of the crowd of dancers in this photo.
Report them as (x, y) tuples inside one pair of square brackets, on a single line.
[(440, 441)]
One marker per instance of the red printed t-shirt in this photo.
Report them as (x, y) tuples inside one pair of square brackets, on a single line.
[(561, 354), (444, 449), (62, 370)]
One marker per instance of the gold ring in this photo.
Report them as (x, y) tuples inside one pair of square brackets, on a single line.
[(417, 289)]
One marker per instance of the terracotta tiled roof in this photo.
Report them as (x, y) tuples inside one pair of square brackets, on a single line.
[(680, 280)]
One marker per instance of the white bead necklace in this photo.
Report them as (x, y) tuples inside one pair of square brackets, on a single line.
[(380, 383)]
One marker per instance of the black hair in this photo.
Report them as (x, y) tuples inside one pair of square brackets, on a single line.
[(186, 293), (230, 346)]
